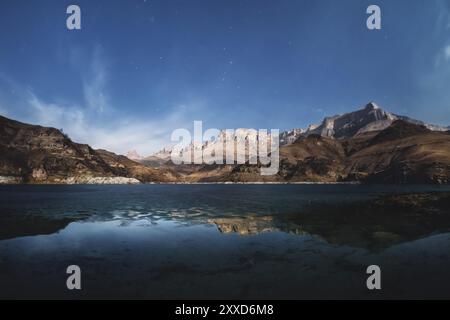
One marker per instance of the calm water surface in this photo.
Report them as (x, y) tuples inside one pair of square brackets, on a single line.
[(209, 241)]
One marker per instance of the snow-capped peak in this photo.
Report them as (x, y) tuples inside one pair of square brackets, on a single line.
[(372, 106)]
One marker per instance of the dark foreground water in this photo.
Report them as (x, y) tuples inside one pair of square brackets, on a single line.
[(214, 241)]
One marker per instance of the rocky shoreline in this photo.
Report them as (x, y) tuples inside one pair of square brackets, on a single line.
[(9, 180)]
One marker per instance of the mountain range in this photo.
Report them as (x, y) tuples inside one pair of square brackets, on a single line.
[(369, 145)]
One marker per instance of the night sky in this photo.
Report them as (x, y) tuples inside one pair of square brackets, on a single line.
[(139, 69)]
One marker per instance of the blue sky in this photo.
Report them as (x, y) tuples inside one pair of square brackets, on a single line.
[(139, 69)]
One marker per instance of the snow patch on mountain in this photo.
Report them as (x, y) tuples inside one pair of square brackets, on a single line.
[(133, 155)]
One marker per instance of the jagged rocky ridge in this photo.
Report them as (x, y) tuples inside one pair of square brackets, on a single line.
[(369, 145)]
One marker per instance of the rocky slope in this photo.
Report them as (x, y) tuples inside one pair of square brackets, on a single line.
[(35, 154), (309, 159), (404, 152), (401, 153), (369, 145)]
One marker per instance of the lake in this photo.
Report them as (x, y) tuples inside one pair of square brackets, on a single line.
[(216, 242)]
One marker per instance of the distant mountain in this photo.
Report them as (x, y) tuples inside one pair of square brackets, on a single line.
[(35, 154), (289, 137), (370, 118), (157, 159), (402, 153), (133, 155), (401, 149)]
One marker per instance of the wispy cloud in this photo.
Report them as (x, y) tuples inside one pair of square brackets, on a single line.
[(94, 120), (50, 114), (119, 135), (443, 15), (442, 57), (447, 52), (94, 83)]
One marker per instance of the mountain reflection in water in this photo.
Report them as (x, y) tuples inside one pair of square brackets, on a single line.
[(175, 241), (372, 224)]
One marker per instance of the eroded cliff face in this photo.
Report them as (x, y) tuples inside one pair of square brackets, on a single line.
[(35, 154)]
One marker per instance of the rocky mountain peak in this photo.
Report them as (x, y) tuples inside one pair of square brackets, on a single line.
[(372, 106), (133, 155), (369, 118)]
